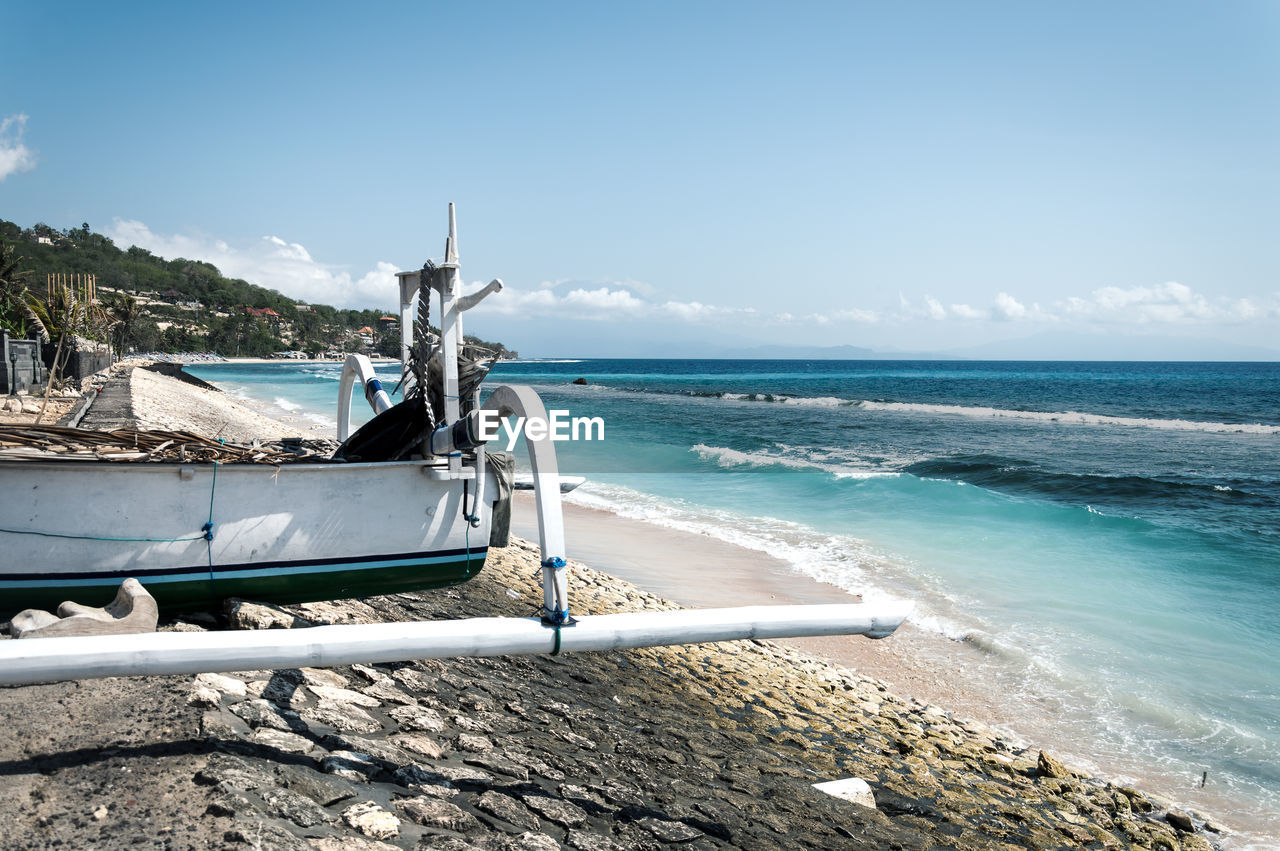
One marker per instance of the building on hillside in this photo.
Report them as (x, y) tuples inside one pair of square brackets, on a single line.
[(264, 313), (388, 323)]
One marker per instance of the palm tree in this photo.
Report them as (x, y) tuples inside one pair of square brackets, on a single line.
[(60, 316), (124, 311), (13, 283)]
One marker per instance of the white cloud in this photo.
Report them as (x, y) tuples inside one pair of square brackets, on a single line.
[(935, 308), (1168, 303), (270, 262), (853, 314), (603, 303), (14, 155), (1008, 308), (964, 311)]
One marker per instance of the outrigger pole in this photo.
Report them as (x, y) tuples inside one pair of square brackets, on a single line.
[(155, 653)]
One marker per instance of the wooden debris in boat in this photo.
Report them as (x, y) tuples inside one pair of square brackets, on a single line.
[(35, 441)]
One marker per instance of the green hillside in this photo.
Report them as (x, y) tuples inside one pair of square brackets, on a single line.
[(151, 304)]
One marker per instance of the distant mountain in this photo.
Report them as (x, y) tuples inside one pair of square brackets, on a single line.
[(779, 352), (1064, 346)]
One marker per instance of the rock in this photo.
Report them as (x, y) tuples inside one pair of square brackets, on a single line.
[(257, 832), (229, 805), (350, 843), (372, 820), (473, 743), (204, 697), (499, 765), (296, 808), (418, 718), (342, 716), (556, 810), (245, 615), (282, 741), (323, 677), (471, 725), (324, 789), (221, 724), (1180, 821), (508, 809), (1214, 827), (346, 611), (852, 789), (385, 690), (451, 776), (534, 842), (218, 682), (419, 744), (385, 752), (584, 841), (580, 381), (1049, 766), (229, 772), (349, 765), (264, 713), (343, 695), (432, 812), (669, 831)]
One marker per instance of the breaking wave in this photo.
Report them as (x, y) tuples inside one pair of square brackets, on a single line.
[(980, 412)]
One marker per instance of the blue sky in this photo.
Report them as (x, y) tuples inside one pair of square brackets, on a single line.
[(992, 179)]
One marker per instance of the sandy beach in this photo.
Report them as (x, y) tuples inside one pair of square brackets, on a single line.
[(712, 746)]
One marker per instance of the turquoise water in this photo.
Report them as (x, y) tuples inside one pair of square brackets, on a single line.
[(1107, 534)]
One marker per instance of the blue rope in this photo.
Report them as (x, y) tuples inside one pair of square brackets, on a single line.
[(206, 531), (104, 538), (208, 527)]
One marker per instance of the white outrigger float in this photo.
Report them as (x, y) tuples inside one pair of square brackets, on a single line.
[(406, 502)]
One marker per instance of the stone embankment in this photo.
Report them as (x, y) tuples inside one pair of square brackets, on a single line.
[(715, 746)]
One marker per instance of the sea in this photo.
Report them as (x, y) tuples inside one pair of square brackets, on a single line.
[(1106, 536)]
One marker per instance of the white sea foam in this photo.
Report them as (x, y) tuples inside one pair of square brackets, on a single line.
[(839, 560), (1073, 418), (980, 412), (286, 404), (725, 457)]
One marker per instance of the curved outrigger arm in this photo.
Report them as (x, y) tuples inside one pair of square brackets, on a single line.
[(522, 401), (358, 368)]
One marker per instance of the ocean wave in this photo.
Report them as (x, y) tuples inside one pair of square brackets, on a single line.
[(1075, 418), (839, 560), (1017, 476), (983, 412), (726, 457)]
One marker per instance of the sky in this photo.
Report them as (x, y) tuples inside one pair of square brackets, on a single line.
[(979, 179)]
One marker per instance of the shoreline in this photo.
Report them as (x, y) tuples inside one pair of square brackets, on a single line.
[(915, 663)]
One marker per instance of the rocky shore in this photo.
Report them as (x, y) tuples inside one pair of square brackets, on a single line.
[(714, 746)]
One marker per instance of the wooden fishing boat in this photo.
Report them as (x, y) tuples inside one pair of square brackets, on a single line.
[(375, 517)]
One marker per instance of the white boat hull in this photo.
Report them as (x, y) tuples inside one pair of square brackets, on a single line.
[(74, 530)]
